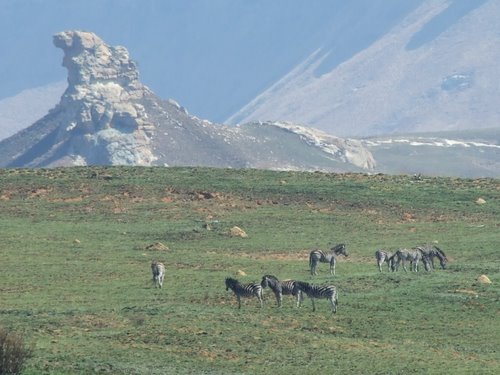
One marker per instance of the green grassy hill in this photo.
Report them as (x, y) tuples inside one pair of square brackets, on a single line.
[(75, 274)]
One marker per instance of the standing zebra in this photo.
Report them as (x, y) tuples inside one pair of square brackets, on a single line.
[(286, 287), (318, 291), (383, 256), (244, 290), (404, 255), (432, 252), (318, 256), (158, 270)]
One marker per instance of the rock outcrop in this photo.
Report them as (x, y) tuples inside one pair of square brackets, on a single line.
[(107, 116)]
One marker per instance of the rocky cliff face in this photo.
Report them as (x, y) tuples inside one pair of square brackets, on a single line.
[(108, 117)]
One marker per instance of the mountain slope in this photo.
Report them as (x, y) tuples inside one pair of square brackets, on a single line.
[(108, 117), (436, 69)]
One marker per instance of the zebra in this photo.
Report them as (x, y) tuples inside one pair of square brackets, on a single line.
[(431, 252), (383, 256), (318, 291), (404, 255), (244, 290), (280, 288), (158, 270), (317, 256)]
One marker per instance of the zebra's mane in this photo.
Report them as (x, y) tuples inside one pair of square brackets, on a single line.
[(272, 277), (441, 252), (336, 249), (231, 281)]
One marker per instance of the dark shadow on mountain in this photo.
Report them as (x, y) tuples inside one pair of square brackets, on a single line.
[(443, 21), (357, 24)]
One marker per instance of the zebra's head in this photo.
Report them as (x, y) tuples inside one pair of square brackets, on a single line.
[(443, 261), (340, 249), (230, 283), (268, 279)]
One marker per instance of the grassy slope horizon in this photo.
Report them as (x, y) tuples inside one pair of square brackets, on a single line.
[(76, 279)]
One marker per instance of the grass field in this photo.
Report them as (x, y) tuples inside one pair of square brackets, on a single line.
[(75, 274)]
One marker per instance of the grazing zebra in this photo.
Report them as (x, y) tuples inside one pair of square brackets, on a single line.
[(383, 256), (244, 290), (280, 288), (432, 252), (404, 255), (318, 291), (158, 270), (317, 256)]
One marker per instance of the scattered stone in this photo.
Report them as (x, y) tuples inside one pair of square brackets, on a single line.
[(237, 232), (158, 246), (76, 241), (480, 201), (483, 279), (241, 273)]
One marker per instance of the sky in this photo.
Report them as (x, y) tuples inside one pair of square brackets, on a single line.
[(211, 56)]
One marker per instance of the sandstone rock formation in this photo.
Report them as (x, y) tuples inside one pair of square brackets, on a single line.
[(107, 116)]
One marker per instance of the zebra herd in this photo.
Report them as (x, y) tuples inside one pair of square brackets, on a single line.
[(286, 287), (299, 289), (426, 254)]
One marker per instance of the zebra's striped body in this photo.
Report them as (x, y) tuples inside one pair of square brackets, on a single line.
[(280, 288), (431, 252), (383, 256), (244, 290), (412, 256), (318, 291), (318, 256), (158, 270)]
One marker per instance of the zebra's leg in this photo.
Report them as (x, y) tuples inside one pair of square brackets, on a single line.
[(332, 267), (259, 297), (379, 266), (333, 301), (313, 268), (404, 265), (300, 298), (239, 301), (314, 305)]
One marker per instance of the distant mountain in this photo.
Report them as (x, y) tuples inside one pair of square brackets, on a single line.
[(467, 154), (107, 116), (431, 66), (23, 109)]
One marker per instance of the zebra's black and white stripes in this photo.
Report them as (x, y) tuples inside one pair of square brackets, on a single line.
[(158, 270), (280, 288), (244, 290), (319, 256), (411, 256), (430, 252), (383, 256), (319, 291)]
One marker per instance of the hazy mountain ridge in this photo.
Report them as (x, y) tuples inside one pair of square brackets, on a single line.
[(468, 154), (434, 70)]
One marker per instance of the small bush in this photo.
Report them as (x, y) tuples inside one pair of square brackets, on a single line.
[(13, 352)]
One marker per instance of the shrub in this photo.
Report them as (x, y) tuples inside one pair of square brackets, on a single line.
[(13, 352)]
